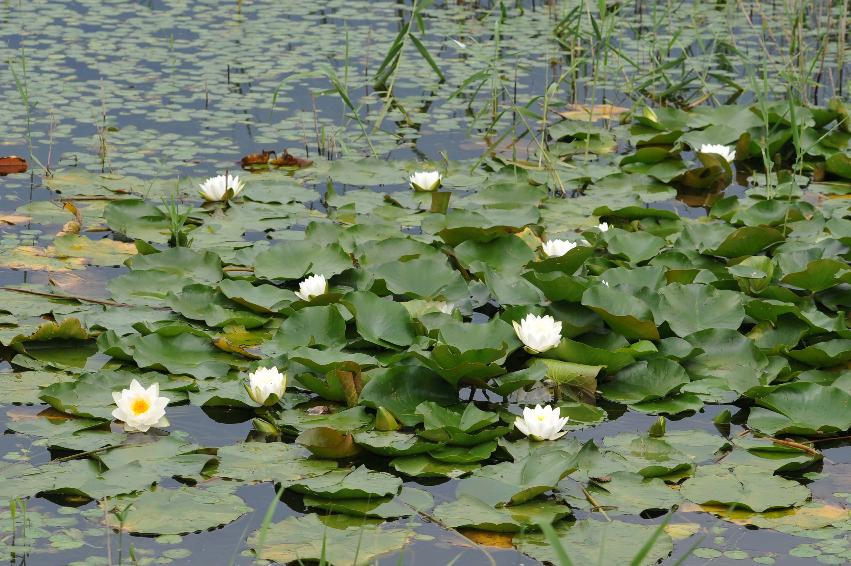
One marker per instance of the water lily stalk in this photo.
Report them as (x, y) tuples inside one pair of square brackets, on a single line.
[(440, 201), (595, 506), (792, 444)]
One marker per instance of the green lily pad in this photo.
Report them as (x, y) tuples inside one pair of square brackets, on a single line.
[(626, 314), (470, 512), (690, 308), (199, 302), (380, 321), (595, 542), (743, 487), (179, 511), (461, 428), (136, 218), (359, 483), (637, 246), (392, 443), (624, 493), (204, 267), (802, 408), (513, 483), (259, 461), (645, 381), (408, 502), (296, 259), (422, 466), (306, 538), (402, 388)]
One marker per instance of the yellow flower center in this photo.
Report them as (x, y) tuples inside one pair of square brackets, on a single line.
[(540, 417), (140, 406)]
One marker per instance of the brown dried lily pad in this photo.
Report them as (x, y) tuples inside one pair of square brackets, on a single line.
[(12, 164), (255, 159), (289, 160)]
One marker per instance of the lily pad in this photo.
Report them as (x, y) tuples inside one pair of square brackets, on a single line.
[(472, 513), (402, 388), (595, 542), (306, 538), (743, 487), (802, 408), (179, 511)]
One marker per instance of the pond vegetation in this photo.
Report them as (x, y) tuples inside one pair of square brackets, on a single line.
[(433, 282)]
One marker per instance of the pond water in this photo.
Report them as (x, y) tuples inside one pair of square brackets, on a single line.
[(704, 354)]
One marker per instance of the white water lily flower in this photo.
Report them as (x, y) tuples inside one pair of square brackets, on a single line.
[(538, 333), (724, 151), (557, 248), (603, 226), (221, 188), (443, 306), (140, 408), (311, 287), (542, 423), (426, 181), (263, 382)]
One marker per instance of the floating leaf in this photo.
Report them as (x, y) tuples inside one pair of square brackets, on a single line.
[(690, 308), (595, 542), (12, 164), (179, 511), (359, 483), (402, 388), (306, 538), (470, 512), (743, 487), (802, 408), (644, 381), (259, 461)]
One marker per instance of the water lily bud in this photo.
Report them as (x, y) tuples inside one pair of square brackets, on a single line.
[(443, 306), (264, 426), (384, 420), (426, 181), (266, 386), (603, 227), (538, 333), (311, 287), (728, 153), (542, 423), (648, 113), (140, 408), (754, 274), (657, 429), (557, 248), (221, 188)]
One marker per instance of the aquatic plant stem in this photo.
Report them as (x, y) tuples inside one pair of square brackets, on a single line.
[(595, 505), (440, 201)]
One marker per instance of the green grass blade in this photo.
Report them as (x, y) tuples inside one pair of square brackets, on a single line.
[(427, 56), (558, 548), (648, 544)]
